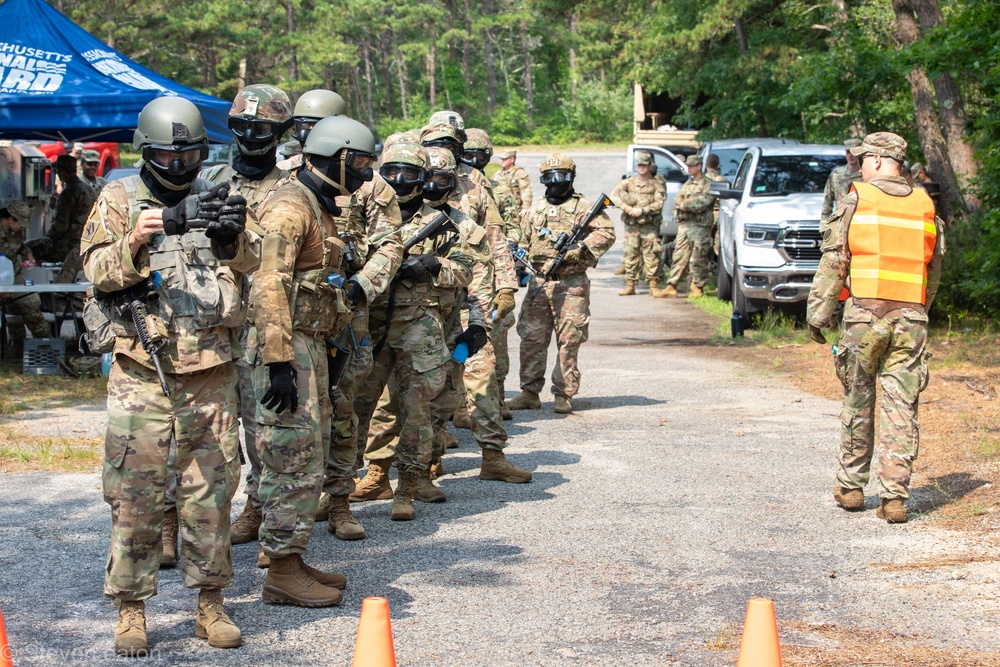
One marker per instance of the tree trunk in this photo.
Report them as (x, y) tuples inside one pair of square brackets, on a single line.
[(741, 38), (242, 75), (401, 67), (432, 70), (840, 10), (574, 75), (356, 78), (928, 122), (529, 84), (385, 48), (366, 56), (293, 63), (467, 45), (491, 75), (951, 107)]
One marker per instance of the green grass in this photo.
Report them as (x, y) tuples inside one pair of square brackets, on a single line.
[(770, 328), (989, 447), (20, 392), (26, 452)]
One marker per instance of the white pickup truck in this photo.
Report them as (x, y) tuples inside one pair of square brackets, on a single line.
[(769, 241)]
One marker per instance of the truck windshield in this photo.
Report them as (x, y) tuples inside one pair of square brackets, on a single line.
[(779, 175)]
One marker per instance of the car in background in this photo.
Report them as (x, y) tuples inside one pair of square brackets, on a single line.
[(219, 154), (769, 240), (107, 150), (731, 151), (675, 173)]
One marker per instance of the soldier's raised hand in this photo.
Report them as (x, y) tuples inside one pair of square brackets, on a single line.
[(195, 211), (231, 222)]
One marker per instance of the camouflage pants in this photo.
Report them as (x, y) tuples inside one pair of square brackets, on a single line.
[(691, 247), (201, 415), (341, 464), (562, 306), (890, 351), (293, 447), (480, 392), (29, 308), (72, 264), (498, 336), (412, 367), (641, 251), (248, 417)]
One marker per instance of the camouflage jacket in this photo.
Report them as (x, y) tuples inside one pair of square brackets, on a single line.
[(519, 184), (546, 221), (477, 203), (200, 299), (835, 264), (290, 164), (837, 187), (12, 244), (255, 191), (72, 209), (644, 193), (509, 211), (694, 202), (96, 185)]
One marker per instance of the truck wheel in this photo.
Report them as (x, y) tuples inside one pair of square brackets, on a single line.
[(724, 283), (741, 304)]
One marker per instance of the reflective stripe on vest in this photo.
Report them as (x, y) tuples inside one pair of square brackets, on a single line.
[(891, 240)]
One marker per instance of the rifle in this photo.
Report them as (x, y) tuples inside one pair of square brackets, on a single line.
[(565, 241), (520, 256), (133, 305), (339, 350)]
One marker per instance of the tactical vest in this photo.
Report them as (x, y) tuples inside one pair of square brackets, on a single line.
[(254, 191), (551, 220), (891, 240)]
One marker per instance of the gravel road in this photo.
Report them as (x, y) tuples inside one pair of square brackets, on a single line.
[(681, 487)]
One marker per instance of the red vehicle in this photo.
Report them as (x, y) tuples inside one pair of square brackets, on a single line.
[(108, 152)]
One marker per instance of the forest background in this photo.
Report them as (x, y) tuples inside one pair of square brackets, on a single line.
[(561, 71)]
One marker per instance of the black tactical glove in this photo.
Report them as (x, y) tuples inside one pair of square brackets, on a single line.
[(355, 293), (283, 393), (474, 337), (231, 223), (817, 334), (419, 267), (195, 211)]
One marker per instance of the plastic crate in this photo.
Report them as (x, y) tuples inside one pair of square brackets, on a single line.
[(40, 355)]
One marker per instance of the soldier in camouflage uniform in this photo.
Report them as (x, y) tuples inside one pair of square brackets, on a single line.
[(183, 251), (300, 300), (693, 207), (259, 117), (882, 250), (839, 182), (713, 173), (62, 241), (14, 217), (517, 180), (311, 107), (561, 304), (641, 198), (90, 163)]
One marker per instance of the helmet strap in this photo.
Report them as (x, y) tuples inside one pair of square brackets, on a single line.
[(326, 179)]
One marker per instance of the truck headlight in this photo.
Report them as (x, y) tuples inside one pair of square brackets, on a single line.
[(760, 235)]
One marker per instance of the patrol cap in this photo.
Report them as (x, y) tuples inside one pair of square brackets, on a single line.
[(19, 210), (885, 144), (642, 157), (503, 155), (692, 161), (91, 156), (66, 162), (78, 146), (853, 142), (557, 161)]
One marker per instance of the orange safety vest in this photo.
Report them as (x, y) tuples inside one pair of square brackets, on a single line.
[(891, 240)]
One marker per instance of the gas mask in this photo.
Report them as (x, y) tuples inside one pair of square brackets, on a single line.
[(406, 179), (344, 173), (438, 187), (174, 166), (558, 185)]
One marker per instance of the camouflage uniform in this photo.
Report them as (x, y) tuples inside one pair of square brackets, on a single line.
[(693, 213), (518, 181), (510, 212), (642, 233), (880, 341), (62, 242), (562, 304), (199, 310), (26, 306), (837, 187), (97, 183)]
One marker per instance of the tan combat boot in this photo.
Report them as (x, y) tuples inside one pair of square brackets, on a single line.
[(448, 439), (849, 499), (130, 633), (213, 624), (331, 579), (668, 291), (424, 489), (563, 406), (526, 400), (462, 418), (497, 467), (342, 523), (629, 288), (323, 509), (620, 271), (435, 470), (892, 510), (247, 525), (288, 582), (695, 292), (402, 499), (169, 539), (375, 485), (505, 412)]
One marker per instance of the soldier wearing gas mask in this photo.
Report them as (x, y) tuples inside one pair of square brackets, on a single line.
[(166, 239)]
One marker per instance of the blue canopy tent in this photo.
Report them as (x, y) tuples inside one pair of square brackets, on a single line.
[(59, 83)]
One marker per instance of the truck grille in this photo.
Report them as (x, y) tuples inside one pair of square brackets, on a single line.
[(801, 245)]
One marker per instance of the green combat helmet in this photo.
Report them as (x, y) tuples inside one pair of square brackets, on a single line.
[(478, 149), (311, 107), (171, 136), (340, 151), (259, 117)]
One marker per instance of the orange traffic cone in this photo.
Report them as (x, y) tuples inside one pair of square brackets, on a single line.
[(5, 656), (759, 647), (374, 647)]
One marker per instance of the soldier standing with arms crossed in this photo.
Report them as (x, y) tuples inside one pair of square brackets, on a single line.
[(517, 180), (693, 211), (641, 198), (155, 239), (883, 246), (560, 305)]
